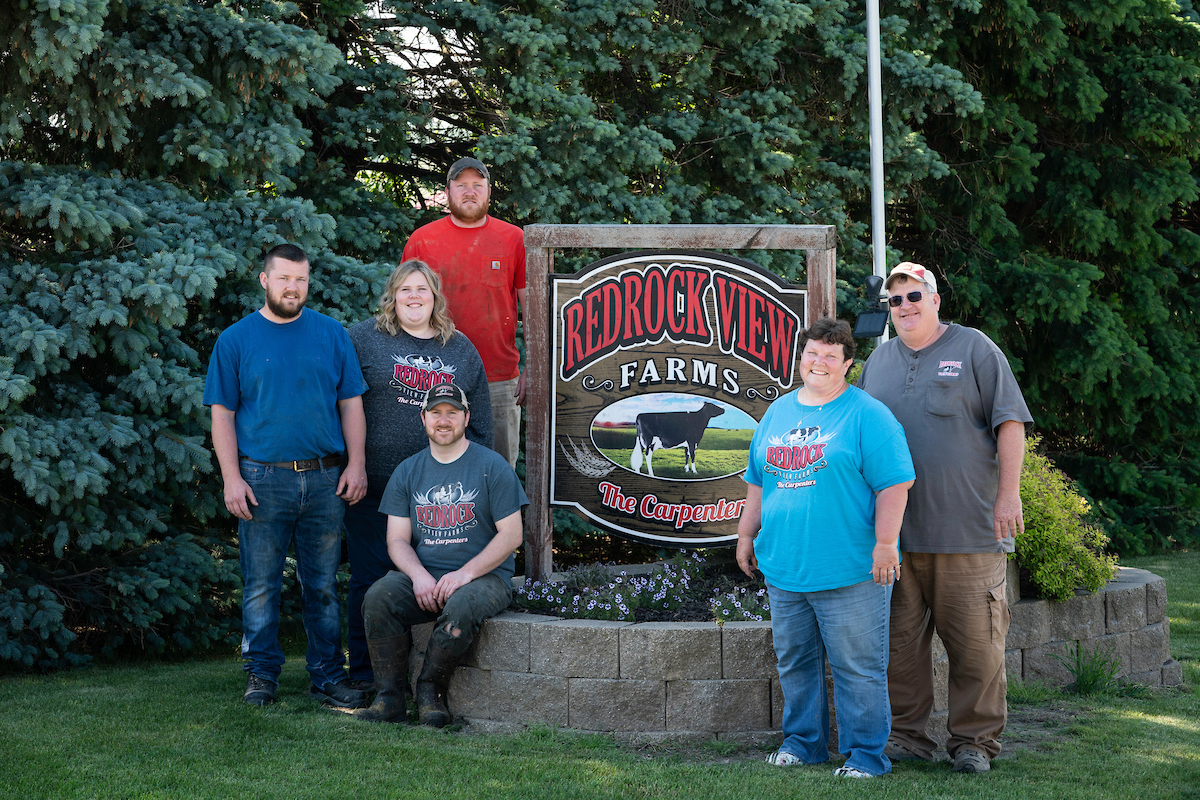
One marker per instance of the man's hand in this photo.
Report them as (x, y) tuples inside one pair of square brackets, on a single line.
[(239, 497), (425, 590), (519, 394), (352, 486), (1007, 517), (451, 582)]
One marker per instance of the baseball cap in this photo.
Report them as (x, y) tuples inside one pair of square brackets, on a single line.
[(914, 271), (446, 393), (467, 163)]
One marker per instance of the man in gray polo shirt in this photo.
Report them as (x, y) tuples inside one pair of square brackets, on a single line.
[(953, 391)]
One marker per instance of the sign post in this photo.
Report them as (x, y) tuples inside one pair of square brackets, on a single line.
[(673, 354)]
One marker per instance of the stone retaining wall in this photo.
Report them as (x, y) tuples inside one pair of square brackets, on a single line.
[(698, 680)]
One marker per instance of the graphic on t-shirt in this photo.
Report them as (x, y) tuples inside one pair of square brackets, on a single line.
[(800, 453), (413, 375), (444, 511), (949, 369)]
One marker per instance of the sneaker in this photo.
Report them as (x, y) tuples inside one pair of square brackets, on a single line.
[(850, 772), (782, 758), (341, 695), (362, 685), (970, 761), (259, 691), (897, 750)]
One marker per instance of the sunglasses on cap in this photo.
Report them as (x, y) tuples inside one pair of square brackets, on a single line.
[(896, 300)]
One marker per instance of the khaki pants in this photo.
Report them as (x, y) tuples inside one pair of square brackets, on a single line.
[(961, 596), (506, 419)]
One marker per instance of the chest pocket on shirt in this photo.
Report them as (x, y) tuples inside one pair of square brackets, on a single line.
[(945, 398), (494, 273)]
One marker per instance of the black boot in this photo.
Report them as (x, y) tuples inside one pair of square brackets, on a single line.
[(432, 684), (389, 659)]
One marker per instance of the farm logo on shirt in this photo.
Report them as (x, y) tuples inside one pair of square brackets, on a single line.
[(949, 369), (800, 453), (445, 513), (414, 375)]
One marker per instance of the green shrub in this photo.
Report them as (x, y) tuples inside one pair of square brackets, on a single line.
[(1062, 548)]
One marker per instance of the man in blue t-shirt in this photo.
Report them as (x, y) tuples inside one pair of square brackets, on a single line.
[(454, 524), (288, 429)]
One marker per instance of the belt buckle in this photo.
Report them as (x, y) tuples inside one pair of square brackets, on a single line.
[(296, 467)]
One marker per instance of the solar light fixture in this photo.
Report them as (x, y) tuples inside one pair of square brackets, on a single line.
[(872, 322)]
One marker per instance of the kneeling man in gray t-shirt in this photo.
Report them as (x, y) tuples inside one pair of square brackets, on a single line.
[(454, 524)]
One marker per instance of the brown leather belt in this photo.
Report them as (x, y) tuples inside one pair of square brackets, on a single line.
[(334, 460)]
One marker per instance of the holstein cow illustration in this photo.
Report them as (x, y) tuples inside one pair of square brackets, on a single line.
[(669, 429)]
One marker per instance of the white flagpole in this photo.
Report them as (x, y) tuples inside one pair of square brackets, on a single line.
[(875, 100)]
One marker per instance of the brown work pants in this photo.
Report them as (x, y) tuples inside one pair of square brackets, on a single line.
[(961, 596)]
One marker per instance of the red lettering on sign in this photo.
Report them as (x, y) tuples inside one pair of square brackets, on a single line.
[(654, 309), (631, 283), (781, 335), (677, 292), (611, 291), (611, 496), (643, 307), (638, 308), (679, 514), (573, 350), (755, 327)]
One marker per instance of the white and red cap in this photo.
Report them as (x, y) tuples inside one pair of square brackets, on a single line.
[(914, 271)]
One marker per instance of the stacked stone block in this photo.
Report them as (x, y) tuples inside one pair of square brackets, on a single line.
[(1127, 621), (700, 681)]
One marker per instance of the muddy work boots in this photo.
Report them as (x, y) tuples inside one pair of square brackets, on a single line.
[(389, 660), (432, 685)]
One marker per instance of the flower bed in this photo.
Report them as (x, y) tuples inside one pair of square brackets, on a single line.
[(687, 587)]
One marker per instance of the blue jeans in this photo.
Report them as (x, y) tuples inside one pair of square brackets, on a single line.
[(366, 544), (303, 506), (849, 624)]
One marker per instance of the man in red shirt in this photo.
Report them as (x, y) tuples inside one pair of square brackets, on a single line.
[(481, 261)]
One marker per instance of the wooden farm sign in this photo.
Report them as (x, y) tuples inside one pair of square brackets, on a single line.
[(663, 362), (547, 462)]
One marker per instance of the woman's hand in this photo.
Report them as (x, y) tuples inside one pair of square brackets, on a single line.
[(885, 564), (745, 556)]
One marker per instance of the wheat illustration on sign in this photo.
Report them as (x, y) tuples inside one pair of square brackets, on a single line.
[(585, 461)]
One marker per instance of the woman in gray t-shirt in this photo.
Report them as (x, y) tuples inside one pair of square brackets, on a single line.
[(407, 347)]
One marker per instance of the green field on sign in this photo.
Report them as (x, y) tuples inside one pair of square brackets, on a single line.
[(721, 452), (713, 439)]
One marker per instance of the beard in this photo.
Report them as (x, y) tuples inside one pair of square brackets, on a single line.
[(276, 304), (468, 215), (445, 438)]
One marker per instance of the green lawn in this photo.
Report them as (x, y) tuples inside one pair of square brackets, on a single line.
[(180, 731)]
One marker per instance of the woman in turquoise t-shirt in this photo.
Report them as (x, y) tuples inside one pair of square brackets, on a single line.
[(827, 484)]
